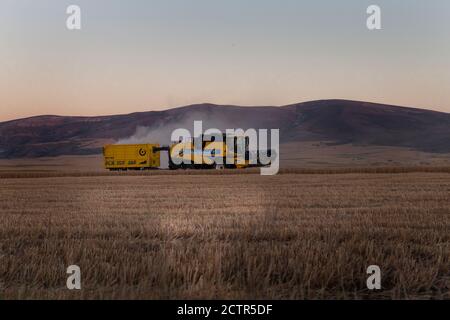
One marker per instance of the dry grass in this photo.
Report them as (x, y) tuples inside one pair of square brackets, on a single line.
[(294, 155), (226, 236), (17, 174)]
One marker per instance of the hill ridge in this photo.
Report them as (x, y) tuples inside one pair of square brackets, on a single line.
[(332, 120)]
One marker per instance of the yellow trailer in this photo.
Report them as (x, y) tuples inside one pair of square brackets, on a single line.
[(132, 156)]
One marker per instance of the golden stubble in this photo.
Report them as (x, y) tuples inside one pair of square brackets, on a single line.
[(294, 236)]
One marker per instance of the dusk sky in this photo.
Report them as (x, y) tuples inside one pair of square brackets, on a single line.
[(141, 55)]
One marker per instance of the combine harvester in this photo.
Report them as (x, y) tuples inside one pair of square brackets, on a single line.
[(182, 155)]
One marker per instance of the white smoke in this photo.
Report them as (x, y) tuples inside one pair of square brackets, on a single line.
[(160, 133)]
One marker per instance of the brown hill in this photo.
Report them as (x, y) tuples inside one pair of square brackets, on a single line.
[(332, 121)]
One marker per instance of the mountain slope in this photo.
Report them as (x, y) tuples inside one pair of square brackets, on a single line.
[(332, 121), (374, 124)]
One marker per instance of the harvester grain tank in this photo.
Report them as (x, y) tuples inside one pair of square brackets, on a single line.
[(132, 157)]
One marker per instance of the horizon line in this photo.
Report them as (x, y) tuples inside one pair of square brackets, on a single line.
[(220, 105)]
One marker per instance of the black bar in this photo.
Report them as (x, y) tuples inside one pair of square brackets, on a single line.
[(229, 309)]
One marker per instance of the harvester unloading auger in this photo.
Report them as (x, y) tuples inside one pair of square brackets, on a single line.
[(183, 155)]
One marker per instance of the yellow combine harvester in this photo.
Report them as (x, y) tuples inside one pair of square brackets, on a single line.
[(132, 157), (182, 155), (204, 158)]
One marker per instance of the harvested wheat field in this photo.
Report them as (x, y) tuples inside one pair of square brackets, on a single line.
[(291, 236)]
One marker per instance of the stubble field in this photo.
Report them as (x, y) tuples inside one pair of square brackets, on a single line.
[(291, 236)]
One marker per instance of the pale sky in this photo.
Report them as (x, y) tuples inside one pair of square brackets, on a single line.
[(140, 55)]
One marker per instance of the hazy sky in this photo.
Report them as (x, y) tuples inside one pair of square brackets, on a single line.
[(138, 55)]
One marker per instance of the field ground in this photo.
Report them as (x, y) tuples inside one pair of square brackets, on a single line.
[(298, 155), (212, 235)]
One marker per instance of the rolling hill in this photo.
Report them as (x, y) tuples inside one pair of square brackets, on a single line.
[(333, 122)]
